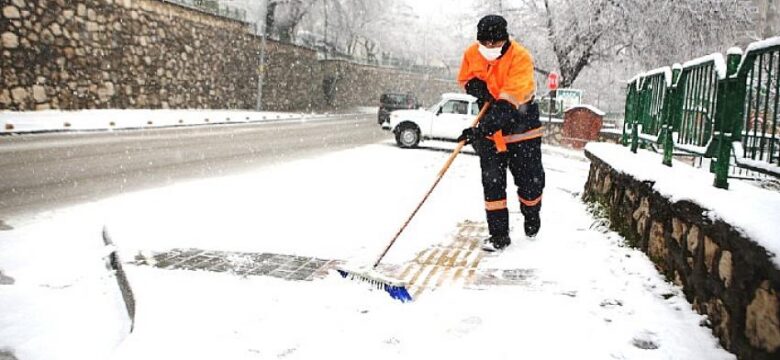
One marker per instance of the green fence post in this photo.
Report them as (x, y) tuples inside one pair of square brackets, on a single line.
[(637, 103), (628, 113), (634, 136), (669, 113), (731, 101)]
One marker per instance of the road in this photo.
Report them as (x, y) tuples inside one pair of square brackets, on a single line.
[(46, 171)]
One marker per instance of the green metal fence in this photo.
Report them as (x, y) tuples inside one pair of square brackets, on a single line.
[(723, 109), (758, 133)]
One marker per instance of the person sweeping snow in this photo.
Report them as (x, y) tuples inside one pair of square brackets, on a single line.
[(499, 72)]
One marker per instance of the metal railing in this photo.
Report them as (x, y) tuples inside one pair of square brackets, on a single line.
[(759, 134), (723, 109), (213, 7)]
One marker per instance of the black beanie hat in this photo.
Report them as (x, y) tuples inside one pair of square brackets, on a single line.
[(492, 28)]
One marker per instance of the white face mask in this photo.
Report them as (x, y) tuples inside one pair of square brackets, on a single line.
[(489, 54)]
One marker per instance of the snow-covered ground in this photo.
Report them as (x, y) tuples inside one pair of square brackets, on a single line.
[(587, 297)]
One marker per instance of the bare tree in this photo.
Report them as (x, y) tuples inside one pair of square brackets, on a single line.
[(581, 32), (283, 17)]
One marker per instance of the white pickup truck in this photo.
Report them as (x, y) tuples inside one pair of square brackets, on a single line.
[(445, 120)]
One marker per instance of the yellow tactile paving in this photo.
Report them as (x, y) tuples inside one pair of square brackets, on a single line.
[(409, 266), (446, 263)]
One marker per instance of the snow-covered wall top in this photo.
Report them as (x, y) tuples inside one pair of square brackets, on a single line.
[(754, 211)]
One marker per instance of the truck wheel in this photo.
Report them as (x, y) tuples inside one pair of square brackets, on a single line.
[(407, 137)]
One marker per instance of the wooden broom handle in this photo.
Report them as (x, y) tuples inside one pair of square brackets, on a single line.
[(443, 170)]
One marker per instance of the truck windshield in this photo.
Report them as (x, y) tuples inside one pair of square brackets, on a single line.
[(393, 99)]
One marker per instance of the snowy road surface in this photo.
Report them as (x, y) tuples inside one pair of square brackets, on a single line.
[(44, 171), (584, 296)]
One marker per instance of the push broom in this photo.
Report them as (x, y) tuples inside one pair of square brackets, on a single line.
[(397, 288)]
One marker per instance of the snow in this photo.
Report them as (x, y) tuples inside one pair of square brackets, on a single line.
[(764, 166), (589, 107), (734, 51), (55, 120), (751, 210), (716, 59), (638, 79), (588, 296), (758, 46), (763, 44), (665, 70)]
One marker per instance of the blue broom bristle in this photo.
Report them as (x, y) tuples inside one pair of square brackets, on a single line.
[(398, 292)]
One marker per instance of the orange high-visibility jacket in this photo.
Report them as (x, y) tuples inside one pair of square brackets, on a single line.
[(510, 77)]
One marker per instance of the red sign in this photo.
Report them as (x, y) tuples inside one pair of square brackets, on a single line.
[(552, 81)]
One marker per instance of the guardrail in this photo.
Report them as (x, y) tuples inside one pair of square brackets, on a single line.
[(723, 109), (213, 7)]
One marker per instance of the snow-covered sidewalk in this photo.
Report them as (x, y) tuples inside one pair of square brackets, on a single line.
[(585, 296), (111, 119)]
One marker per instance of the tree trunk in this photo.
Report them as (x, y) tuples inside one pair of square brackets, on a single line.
[(269, 18)]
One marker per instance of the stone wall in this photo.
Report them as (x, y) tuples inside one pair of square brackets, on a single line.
[(352, 84), (79, 54), (293, 78), (84, 54), (723, 274)]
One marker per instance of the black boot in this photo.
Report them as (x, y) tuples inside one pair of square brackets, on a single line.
[(532, 225), (496, 243)]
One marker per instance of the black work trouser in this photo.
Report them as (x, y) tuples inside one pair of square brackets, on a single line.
[(524, 161)]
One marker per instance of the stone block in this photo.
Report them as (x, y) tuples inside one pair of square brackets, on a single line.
[(721, 320), (55, 29), (606, 186), (11, 12), (106, 91), (678, 279), (630, 195), (10, 40), (69, 52), (19, 94), (642, 216), (19, 3), (725, 268), (5, 97), (643, 210), (710, 251), (762, 327), (693, 239), (679, 228), (39, 93), (657, 244), (81, 10), (47, 37)]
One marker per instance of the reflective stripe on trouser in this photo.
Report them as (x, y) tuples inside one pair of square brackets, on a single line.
[(524, 161)]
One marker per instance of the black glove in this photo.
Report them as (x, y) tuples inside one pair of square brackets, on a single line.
[(478, 89), (473, 136), (468, 135), (500, 116)]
